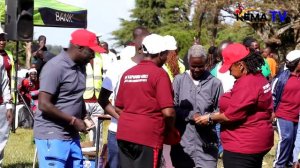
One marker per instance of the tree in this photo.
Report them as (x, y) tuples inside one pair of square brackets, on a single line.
[(162, 17), (280, 36)]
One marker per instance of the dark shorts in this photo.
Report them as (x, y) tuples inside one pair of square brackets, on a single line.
[(135, 155), (239, 160)]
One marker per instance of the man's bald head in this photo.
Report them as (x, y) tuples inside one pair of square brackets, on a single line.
[(140, 32)]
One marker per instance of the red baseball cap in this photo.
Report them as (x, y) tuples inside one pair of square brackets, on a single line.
[(232, 54), (85, 38)]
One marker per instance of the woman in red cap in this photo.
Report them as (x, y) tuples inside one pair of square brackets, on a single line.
[(245, 112)]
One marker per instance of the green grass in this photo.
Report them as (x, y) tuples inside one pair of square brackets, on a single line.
[(19, 151)]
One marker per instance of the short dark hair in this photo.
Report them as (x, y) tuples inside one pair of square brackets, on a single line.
[(41, 37), (254, 62), (248, 40)]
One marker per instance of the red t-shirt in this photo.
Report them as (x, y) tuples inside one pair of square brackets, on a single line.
[(249, 107), (289, 106), (144, 90)]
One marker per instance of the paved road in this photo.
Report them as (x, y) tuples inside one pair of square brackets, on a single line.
[(166, 153)]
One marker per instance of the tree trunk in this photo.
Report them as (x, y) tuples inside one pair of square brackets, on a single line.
[(28, 54), (200, 23), (215, 26)]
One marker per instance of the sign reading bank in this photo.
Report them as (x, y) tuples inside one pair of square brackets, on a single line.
[(252, 15), (60, 13)]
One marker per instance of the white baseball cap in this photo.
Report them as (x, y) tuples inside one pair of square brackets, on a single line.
[(32, 70), (171, 43), (154, 44), (1, 31), (293, 55)]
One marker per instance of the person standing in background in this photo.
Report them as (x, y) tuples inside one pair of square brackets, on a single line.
[(108, 58), (227, 81), (173, 66), (253, 44), (296, 151), (6, 115), (8, 63), (92, 91), (37, 52), (286, 95), (271, 61)]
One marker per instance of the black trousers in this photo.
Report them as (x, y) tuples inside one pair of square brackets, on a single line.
[(239, 160), (138, 156)]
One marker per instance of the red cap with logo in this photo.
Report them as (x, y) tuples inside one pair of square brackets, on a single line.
[(232, 54), (85, 38)]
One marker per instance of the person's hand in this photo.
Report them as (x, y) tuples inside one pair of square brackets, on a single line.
[(296, 165), (202, 120), (80, 126), (273, 117), (9, 116)]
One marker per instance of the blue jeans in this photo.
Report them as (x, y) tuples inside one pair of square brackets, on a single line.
[(287, 134), (296, 153), (59, 153), (218, 129), (113, 150)]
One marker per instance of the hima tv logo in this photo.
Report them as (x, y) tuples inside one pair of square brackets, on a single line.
[(253, 15)]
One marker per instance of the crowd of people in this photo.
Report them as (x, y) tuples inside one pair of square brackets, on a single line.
[(224, 104)]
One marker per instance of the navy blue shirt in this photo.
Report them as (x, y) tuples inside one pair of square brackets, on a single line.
[(65, 80)]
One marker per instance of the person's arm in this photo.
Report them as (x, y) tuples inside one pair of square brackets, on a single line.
[(119, 110), (164, 97), (169, 117), (104, 102), (211, 118), (241, 100), (181, 113), (48, 108), (84, 113), (6, 94)]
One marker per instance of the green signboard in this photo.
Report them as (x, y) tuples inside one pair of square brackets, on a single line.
[(59, 13), (55, 13)]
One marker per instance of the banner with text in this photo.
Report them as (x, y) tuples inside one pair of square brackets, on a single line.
[(60, 13)]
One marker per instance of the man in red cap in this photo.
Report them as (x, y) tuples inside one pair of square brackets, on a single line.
[(61, 107)]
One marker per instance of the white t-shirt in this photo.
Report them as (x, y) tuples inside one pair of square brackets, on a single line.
[(226, 79), (108, 60), (111, 83), (127, 52)]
